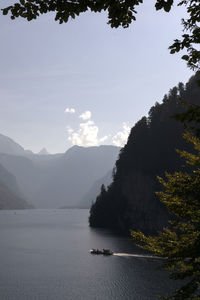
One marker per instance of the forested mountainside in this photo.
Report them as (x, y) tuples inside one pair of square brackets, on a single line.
[(130, 201), (10, 194)]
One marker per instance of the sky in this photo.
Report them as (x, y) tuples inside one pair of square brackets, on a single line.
[(84, 83)]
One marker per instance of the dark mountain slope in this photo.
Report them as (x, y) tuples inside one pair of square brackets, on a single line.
[(28, 175), (10, 194), (130, 201)]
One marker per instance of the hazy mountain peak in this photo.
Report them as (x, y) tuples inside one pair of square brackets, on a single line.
[(7, 145), (43, 151), (73, 148)]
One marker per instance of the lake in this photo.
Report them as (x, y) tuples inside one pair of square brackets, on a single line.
[(44, 255)]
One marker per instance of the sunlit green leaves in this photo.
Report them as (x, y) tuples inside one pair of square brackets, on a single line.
[(180, 242)]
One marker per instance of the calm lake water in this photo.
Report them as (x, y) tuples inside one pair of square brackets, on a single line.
[(44, 255)]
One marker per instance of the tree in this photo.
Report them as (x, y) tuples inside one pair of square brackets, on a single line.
[(120, 13), (129, 200), (191, 117), (179, 243)]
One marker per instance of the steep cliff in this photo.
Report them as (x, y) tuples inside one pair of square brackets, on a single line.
[(130, 201)]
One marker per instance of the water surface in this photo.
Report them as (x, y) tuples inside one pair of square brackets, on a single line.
[(44, 255)]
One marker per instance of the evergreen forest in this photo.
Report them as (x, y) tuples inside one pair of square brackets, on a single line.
[(130, 201)]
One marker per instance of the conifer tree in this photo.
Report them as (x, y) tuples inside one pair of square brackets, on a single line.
[(179, 243)]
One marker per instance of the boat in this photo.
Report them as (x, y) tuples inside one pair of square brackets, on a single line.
[(95, 251), (107, 252), (103, 252)]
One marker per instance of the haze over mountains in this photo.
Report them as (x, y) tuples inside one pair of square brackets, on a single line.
[(10, 195), (95, 189), (8, 146), (58, 180)]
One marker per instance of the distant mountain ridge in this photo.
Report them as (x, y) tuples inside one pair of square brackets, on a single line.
[(43, 151), (9, 146), (95, 189), (53, 181), (71, 175)]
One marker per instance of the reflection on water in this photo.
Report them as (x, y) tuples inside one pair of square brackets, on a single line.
[(44, 255), (136, 255)]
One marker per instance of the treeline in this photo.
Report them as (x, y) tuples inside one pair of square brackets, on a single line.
[(130, 201)]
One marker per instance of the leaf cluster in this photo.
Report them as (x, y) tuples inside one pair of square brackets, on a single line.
[(179, 243), (120, 13), (192, 38)]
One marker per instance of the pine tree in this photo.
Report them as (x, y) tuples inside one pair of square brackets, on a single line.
[(179, 243)]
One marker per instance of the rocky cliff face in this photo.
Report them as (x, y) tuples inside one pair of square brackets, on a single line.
[(130, 201)]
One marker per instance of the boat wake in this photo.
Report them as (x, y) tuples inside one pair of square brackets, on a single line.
[(136, 255)]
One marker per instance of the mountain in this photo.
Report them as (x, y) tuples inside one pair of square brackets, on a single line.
[(8, 146), (52, 181), (70, 176), (130, 201), (95, 189), (10, 194), (25, 171), (43, 151)]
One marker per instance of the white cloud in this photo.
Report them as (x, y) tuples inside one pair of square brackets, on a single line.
[(86, 115), (70, 110), (69, 130), (121, 137), (86, 135), (103, 139)]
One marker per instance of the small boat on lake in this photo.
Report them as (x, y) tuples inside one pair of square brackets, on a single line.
[(103, 252), (107, 252), (95, 251)]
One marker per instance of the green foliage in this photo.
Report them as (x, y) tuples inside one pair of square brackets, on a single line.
[(190, 118), (120, 13), (179, 243)]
